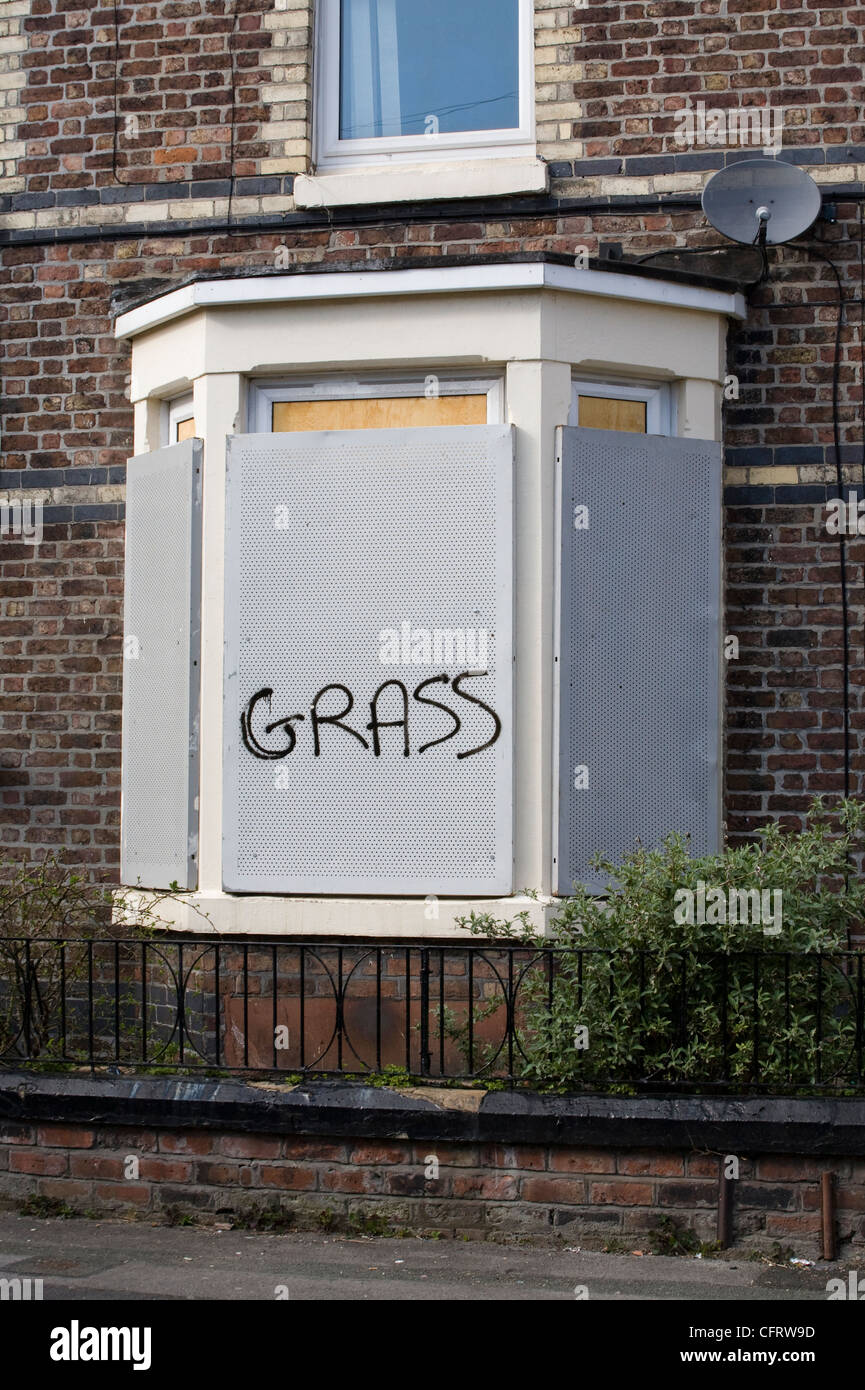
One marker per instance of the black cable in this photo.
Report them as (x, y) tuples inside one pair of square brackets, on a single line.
[(116, 79), (861, 302), (708, 251), (682, 251), (233, 106), (231, 148), (842, 546)]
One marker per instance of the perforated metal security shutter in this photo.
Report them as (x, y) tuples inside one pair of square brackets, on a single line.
[(161, 626), (354, 559), (638, 646)]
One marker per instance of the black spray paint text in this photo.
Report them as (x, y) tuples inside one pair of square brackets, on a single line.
[(332, 705)]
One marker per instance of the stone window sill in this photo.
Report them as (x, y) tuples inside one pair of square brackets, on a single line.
[(410, 183)]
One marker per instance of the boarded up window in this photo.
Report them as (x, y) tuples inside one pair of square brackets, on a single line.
[(368, 668)]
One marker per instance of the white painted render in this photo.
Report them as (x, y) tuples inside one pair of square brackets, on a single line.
[(260, 289), (538, 331)]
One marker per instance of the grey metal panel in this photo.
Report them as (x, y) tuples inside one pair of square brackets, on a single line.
[(638, 646), (161, 671), (332, 539)]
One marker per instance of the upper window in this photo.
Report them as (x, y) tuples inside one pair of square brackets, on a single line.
[(402, 80)]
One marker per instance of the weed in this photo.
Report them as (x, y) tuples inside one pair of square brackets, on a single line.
[(668, 1238), (46, 1207), (273, 1219)]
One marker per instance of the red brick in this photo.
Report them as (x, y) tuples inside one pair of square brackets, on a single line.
[(375, 1154), (491, 1186), (582, 1161), (621, 1194), (651, 1165), (292, 1179), (249, 1146), (92, 1165), (789, 1168), (164, 1170), (523, 1157), (314, 1149), (33, 1161), (16, 1134), (64, 1189), (135, 1194), (566, 1190), (224, 1174), (344, 1180), (66, 1136), (795, 1224), (186, 1143), (707, 1165)]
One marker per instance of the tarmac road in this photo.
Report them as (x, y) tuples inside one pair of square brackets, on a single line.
[(91, 1261)]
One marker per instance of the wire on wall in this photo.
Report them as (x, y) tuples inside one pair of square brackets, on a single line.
[(232, 56), (236, 14), (839, 477)]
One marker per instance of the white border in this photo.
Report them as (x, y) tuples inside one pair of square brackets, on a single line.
[(356, 284), (173, 411), (660, 408), (331, 152), (261, 395)]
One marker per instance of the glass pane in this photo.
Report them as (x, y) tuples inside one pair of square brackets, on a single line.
[(409, 68), (604, 413), (390, 412)]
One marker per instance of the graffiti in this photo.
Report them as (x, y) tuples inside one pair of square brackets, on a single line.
[(391, 699)]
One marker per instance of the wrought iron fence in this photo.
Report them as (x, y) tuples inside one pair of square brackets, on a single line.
[(580, 1018)]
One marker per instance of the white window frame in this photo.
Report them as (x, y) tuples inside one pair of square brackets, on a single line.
[(332, 152), (262, 394), (659, 399), (173, 411)]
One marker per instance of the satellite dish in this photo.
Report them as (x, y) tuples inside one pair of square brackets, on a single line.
[(761, 201)]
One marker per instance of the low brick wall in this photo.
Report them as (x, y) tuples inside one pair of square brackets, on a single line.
[(333, 1156)]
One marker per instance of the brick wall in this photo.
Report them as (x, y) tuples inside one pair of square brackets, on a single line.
[(784, 716), (592, 1196), (611, 80)]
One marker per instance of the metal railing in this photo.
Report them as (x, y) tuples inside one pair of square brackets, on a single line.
[(579, 1018)]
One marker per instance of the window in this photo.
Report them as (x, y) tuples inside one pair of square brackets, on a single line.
[(643, 409), (178, 420), (382, 402), (399, 79)]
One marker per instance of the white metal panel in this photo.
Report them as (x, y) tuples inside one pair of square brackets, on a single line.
[(161, 627), (333, 541)]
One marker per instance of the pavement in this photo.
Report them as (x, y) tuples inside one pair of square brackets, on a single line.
[(91, 1261)]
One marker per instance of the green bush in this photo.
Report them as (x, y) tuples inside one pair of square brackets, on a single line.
[(652, 999), (48, 914)]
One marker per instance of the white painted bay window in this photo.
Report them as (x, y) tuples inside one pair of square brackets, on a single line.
[(429, 607)]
